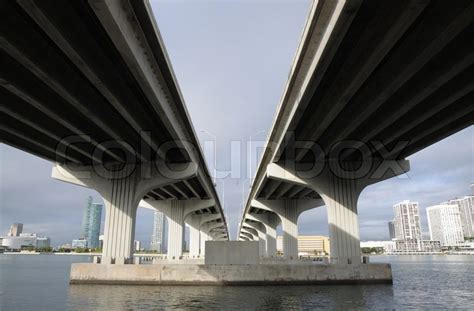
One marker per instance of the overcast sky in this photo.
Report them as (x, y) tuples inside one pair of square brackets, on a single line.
[(231, 60)]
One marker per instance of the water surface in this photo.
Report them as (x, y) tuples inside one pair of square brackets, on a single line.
[(40, 282)]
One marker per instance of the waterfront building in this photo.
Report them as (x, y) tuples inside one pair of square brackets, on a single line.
[(79, 243), (16, 243), (387, 246), (444, 222), (407, 221), (308, 245), (466, 212), (159, 235), (391, 230), (137, 245), (91, 218), (417, 246), (15, 229), (43, 242)]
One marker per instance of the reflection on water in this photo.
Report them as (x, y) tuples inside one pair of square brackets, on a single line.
[(41, 283), (83, 297)]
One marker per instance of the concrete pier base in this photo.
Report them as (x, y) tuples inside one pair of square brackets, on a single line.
[(256, 274)]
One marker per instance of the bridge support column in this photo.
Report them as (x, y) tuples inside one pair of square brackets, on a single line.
[(194, 241), (177, 212), (339, 184), (204, 238), (288, 211), (194, 222), (270, 221), (340, 196), (120, 217), (175, 229), (262, 237), (121, 187), (271, 241), (289, 224)]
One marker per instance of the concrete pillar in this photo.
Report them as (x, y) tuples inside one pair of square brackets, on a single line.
[(339, 184), (175, 230), (122, 187), (340, 195), (271, 241), (194, 241), (270, 221), (262, 236), (289, 224), (288, 212), (120, 216), (177, 211), (204, 238)]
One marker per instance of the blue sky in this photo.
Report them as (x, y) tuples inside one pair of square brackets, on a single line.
[(231, 60)]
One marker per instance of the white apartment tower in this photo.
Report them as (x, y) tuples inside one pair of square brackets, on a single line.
[(407, 221), (466, 212), (159, 235), (444, 221)]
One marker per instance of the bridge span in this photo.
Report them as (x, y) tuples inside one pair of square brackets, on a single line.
[(88, 85), (372, 83)]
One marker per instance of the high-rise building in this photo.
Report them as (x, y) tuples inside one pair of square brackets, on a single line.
[(444, 221), (466, 212), (391, 230), (15, 229), (91, 217), (159, 235), (407, 221), (137, 245)]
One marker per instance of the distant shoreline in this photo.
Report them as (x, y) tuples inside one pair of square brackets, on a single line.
[(51, 253)]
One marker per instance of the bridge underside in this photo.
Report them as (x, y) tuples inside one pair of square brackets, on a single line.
[(372, 80), (88, 83)]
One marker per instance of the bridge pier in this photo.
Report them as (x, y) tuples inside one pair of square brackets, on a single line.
[(204, 237), (339, 187), (194, 237), (122, 188), (195, 223), (177, 212), (262, 237), (270, 221), (288, 211)]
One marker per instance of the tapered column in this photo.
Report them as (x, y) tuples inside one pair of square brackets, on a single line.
[(288, 212), (175, 230), (262, 236), (194, 241), (204, 238), (340, 192), (271, 240), (289, 224), (122, 187), (120, 216), (339, 184)]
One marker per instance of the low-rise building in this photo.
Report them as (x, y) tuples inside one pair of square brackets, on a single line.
[(387, 246), (308, 245), (417, 246), (79, 243), (16, 243)]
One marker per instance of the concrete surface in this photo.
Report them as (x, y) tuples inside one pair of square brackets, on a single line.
[(232, 252), (260, 274)]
